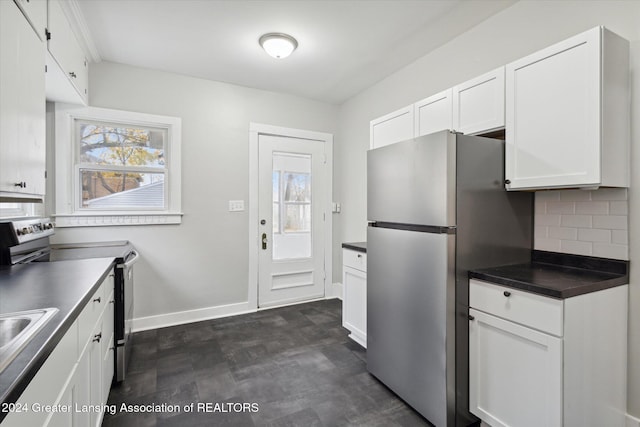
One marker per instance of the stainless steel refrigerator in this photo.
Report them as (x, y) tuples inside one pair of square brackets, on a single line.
[(436, 207)]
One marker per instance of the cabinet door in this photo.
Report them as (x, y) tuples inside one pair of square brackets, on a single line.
[(36, 13), (434, 113), (393, 127), (515, 373), (83, 388), (95, 373), (22, 107), (553, 125), (478, 104), (354, 304), (68, 399), (108, 347), (67, 53)]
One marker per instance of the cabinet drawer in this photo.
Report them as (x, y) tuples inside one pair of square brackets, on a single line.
[(90, 315), (535, 311), (354, 259)]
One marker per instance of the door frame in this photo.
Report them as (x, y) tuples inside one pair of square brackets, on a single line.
[(255, 130)]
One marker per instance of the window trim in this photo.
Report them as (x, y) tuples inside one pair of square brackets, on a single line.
[(68, 211)]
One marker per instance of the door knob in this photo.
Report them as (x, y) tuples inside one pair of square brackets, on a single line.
[(264, 241)]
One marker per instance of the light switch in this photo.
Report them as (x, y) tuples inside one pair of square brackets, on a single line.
[(236, 205)]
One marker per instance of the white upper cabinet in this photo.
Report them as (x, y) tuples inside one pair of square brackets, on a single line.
[(567, 114), (434, 113), (67, 71), (393, 127), (36, 13), (22, 107), (478, 104)]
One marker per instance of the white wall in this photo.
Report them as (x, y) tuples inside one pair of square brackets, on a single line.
[(204, 261), (515, 32)]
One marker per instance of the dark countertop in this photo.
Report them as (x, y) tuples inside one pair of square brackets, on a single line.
[(558, 275), (65, 285), (356, 246)]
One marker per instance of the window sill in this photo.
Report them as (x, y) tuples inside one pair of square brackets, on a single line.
[(116, 219)]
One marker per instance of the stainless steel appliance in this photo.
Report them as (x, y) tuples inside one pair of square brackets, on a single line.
[(25, 241), (437, 208)]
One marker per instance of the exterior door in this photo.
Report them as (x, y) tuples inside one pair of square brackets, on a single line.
[(292, 180)]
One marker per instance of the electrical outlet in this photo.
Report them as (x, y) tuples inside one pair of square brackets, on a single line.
[(236, 205)]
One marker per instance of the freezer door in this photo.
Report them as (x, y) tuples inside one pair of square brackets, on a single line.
[(410, 318), (413, 182)]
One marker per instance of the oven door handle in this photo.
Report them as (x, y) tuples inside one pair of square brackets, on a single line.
[(131, 261)]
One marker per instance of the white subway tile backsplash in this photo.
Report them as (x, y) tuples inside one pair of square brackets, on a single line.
[(576, 247), (581, 221), (619, 207), (610, 194), (551, 245), (594, 235), (540, 231), (575, 195), (563, 233), (561, 207), (547, 195), (547, 219), (612, 222), (592, 208), (619, 237), (607, 250)]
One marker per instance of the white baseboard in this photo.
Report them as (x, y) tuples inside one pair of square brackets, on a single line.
[(190, 316), (632, 421), (336, 291)]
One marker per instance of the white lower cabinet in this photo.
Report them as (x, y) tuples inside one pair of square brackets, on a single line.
[(74, 379), (541, 361), (354, 301), (506, 393)]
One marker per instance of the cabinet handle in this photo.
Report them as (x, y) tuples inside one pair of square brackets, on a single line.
[(359, 256), (471, 317), (506, 294), (97, 337), (21, 184), (72, 74), (507, 181), (98, 300), (112, 302)]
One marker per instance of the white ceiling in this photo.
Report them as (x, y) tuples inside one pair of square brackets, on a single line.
[(344, 46)]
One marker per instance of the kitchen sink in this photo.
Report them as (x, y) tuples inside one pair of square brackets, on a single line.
[(17, 329)]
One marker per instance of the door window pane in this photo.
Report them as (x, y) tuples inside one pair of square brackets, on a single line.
[(292, 200), (298, 218)]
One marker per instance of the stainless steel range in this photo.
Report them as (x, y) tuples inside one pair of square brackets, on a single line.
[(25, 241)]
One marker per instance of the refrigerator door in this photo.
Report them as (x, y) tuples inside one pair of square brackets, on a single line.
[(410, 318), (413, 182)]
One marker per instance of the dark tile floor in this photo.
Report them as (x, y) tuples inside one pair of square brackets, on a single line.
[(295, 364)]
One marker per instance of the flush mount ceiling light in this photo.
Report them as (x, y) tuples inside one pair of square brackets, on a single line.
[(278, 45)]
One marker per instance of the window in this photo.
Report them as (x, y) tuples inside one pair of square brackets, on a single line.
[(125, 167), (16, 210), (120, 167)]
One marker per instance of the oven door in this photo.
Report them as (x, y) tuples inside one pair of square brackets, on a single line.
[(124, 312)]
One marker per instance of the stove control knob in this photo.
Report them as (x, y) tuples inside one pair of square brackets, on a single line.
[(25, 230), (18, 232)]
